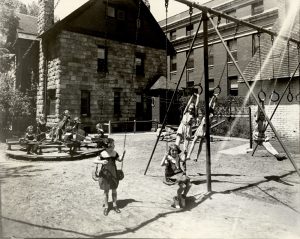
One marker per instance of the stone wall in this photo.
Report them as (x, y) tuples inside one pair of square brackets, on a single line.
[(72, 67)]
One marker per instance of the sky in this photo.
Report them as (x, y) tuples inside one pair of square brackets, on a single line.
[(157, 7)]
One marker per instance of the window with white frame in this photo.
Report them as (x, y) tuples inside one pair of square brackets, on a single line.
[(111, 11), (233, 85), (173, 63), (190, 62), (232, 46)]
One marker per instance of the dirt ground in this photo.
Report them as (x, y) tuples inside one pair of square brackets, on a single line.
[(252, 197)]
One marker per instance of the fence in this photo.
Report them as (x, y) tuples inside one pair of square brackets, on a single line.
[(131, 126)]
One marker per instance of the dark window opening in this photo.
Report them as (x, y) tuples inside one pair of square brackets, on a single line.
[(85, 103), (51, 102), (139, 64), (190, 62), (121, 15), (101, 59), (189, 29)]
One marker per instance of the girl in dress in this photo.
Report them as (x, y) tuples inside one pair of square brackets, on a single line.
[(174, 174), (184, 131), (108, 179)]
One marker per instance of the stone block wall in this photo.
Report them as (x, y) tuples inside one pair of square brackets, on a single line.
[(72, 67)]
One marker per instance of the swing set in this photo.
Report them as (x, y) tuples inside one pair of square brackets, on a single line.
[(206, 16)]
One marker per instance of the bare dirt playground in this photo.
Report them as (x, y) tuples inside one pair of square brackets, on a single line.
[(252, 197)]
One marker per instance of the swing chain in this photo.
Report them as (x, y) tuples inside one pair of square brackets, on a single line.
[(289, 96), (166, 3), (219, 21), (274, 93)]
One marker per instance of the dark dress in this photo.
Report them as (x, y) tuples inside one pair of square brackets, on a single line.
[(108, 174)]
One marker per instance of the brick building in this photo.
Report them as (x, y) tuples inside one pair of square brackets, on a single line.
[(243, 44)]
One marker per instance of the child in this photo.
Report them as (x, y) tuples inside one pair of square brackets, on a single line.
[(30, 139), (201, 130), (173, 170), (108, 174), (41, 128), (259, 136), (184, 130)]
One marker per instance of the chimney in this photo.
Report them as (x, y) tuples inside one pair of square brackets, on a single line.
[(46, 15)]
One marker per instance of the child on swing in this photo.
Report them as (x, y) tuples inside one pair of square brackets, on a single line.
[(108, 179), (184, 130), (201, 130), (259, 136), (174, 174)]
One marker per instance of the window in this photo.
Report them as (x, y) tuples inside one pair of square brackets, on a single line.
[(111, 11), (51, 101), (190, 62), (232, 45), (255, 44), (189, 29), (231, 13), (121, 15), (233, 90), (257, 7), (102, 59), (85, 103), (173, 35), (210, 55), (139, 64), (117, 103), (173, 63)]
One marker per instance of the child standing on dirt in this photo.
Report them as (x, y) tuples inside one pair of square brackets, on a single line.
[(174, 174), (108, 179)]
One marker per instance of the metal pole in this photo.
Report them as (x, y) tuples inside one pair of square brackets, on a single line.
[(254, 96), (240, 22), (250, 128), (206, 91), (173, 96)]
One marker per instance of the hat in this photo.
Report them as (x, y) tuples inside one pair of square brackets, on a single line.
[(176, 147)]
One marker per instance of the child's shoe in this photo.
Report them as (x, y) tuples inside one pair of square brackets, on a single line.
[(176, 202), (182, 201)]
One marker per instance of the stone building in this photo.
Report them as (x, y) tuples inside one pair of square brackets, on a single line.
[(97, 64), (243, 44)]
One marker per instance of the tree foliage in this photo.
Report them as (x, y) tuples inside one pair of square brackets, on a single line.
[(13, 103)]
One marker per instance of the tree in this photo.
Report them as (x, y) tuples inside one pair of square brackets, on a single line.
[(33, 9), (13, 103)]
